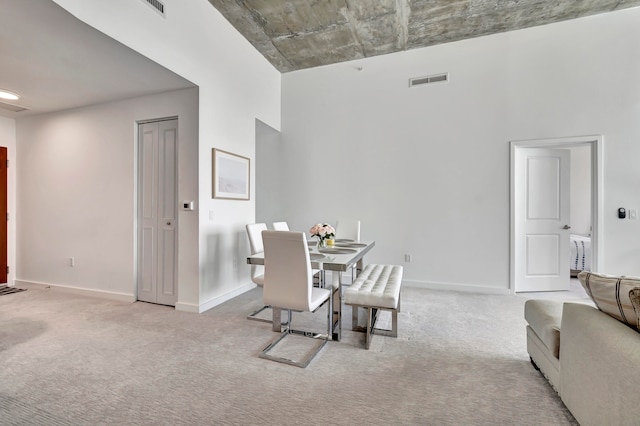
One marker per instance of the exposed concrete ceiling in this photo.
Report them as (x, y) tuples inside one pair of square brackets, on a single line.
[(298, 34), (55, 62)]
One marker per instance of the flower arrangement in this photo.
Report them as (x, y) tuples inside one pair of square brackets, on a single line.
[(324, 232)]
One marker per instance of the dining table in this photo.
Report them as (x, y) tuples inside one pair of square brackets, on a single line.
[(340, 257)]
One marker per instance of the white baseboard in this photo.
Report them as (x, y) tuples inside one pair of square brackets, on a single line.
[(469, 288), (212, 303), (130, 298), (122, 297), (187, 307)]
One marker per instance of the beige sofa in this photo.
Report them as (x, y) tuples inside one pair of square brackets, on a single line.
[(590, 358)]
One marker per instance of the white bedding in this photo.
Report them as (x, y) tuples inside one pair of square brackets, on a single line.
[(580, 259)]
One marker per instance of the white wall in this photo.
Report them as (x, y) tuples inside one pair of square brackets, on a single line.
[(426, 169), (237, 85), (8, 140), (77, 195), (268, 153)]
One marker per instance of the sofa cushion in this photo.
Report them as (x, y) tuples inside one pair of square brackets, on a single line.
[(634, 295), (544, 317), (611, 294)]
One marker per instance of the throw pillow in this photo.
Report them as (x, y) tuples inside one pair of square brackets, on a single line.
[(634, 295), (611, 295)]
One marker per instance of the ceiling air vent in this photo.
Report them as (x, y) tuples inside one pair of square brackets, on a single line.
[(436, 78), (157, 5), (13, 108)]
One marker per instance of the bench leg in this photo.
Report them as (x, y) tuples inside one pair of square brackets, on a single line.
[(382, 331), (371, 319), (354, 318), (394, 322)]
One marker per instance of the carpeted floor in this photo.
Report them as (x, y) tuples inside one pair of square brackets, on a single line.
[(460, 359)]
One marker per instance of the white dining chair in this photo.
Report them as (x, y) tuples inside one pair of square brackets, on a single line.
[(288, 285), (254, 232), (318, 275), (280, 226), (348, 230)]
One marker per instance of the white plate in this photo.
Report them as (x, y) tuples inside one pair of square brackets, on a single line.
[(350, 245), (316, 256), (337, 250)]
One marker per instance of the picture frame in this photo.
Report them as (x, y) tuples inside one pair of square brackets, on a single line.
[(230, 175)]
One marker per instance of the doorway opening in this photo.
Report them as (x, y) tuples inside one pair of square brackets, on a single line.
[(540, 258), (4, 261)]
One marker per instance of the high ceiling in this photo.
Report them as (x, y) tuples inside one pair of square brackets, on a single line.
[(58, 62), (298, 34), (55, 62)]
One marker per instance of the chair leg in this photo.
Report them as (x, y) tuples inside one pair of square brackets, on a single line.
[(252, 316), (307, 359)]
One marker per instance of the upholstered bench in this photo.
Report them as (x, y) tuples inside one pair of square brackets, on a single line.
[(376, 288), (543, 337)]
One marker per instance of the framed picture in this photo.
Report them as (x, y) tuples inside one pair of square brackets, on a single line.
[(230, 175)]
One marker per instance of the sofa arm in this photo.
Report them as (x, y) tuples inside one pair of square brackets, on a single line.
[(599, 367)]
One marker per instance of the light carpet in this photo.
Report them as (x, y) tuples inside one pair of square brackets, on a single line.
[(459, 359)]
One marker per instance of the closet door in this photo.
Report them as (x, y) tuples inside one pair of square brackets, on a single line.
[(157, 212)]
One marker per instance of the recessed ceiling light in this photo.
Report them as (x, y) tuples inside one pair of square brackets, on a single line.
[(5, 94)]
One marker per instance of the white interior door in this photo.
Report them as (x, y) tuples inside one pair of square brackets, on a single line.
[(542, 219), (157, 210)]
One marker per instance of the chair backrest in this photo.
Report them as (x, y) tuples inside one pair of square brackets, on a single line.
[(288, 278), (254, 232), (349, 229), (280, 226)]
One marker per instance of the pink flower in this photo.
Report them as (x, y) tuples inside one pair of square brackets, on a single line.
[(322, 230)]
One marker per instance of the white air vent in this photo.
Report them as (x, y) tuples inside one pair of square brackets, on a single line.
[(13, 108), (157, 5), (436, 78)]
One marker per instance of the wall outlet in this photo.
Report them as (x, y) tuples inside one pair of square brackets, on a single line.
[(407, 258)]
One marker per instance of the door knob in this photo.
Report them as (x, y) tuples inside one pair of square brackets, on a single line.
[(566, 227)]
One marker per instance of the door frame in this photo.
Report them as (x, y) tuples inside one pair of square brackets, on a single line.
[(597, 217), (136, 194)]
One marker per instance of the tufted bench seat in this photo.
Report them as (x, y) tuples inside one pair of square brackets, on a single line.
[(376, 288)]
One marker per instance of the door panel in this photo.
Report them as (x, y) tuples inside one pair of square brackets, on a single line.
[(542, 255), (158, 212), (542, 211), (147, 265), (168, 266)]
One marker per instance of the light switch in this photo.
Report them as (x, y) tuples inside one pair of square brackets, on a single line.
[(187, 205), (633, 214)]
